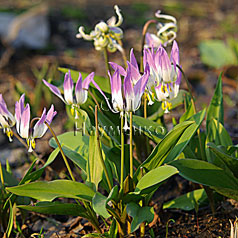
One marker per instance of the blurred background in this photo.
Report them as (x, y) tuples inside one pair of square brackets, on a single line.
[(36, 37)]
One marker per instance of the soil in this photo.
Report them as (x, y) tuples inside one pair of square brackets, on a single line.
[(198, 20)]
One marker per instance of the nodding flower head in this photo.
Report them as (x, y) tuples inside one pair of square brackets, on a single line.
[(7, 120), (73, 96), (127, 97), (22, 115), (105, 35), (164, 73), (166, 31)]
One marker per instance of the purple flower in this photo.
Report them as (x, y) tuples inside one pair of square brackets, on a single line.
[(164, 73), (22, 115), (7, 120), (127, 97), (81, 91)]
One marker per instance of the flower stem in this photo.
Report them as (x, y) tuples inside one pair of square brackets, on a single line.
[(145, 28), (1, 175), (99, 149), (105, 54), (122, 152), (131, 148), (123, 54), (145, 106), (61, 150)]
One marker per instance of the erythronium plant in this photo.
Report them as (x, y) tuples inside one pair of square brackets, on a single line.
[(120, 191), (24, 127)]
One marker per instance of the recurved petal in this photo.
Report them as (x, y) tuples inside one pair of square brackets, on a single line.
[(24, 122), (133, 60), (115, 67), (87, 81), (54, 90), (50, 114), (39, 128)]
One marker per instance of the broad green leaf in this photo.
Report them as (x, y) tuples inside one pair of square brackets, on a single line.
[(139, 215), (224, 160), (33, 176), (216, 53), (74, 146), (150, 128), (187, 201), (102, 82), (99, 203), (155, 176), (158, 155), (205, 173), (94, 166), (216, 109), (48, 191), (186, 136), (218, 135), (9, 179), (188, 113), (174, 142), (57, 208), (230, 193)]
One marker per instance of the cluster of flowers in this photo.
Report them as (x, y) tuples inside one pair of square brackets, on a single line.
[(22, 121), (160, 81)]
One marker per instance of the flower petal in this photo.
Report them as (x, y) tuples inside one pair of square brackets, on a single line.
[(68, 88), (79, 92), (54, 90), (165, 65), (133, 60), (39, 128), (115, 67), (129, 91), (25, 121)]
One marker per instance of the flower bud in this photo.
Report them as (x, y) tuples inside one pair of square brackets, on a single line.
[(102, 26)]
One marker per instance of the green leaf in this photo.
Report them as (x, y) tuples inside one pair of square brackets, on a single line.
[(216, 109), (155, 176), (139, 215), (94, 166), (109, 127), (99, 203), (187, 201), (10, 219), (216, 53), (57, 208), (218, 135), (205, 173), (188, 113), (150, 128), (48, 191), (224, 160), (173, 143), (74, 146), (102, 82)]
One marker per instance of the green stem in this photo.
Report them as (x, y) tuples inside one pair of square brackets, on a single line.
[(99, 149), (105, 54), (62, 152), (123, 54), (122, 152), (131, 148), (1, 174)]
